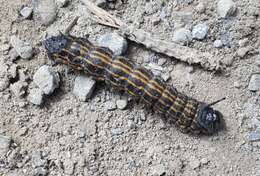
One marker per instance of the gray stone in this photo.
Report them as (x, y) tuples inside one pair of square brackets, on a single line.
[(13, 54), (4, 47), (19, 88), (158, 170), (114, 42), (38, 160), (218, 44), (101, 3), (228, 60), (200, 31), (254, 83), (117, 131), (24, 49), (40, 171), (46, 79), (26, 12), (226, 8), (83, 87), (194, 163), (201, 7), (241, 52), (121, 104), (166, 76), (44, 11), (69, 167), (12, 72), (182, 36), (4, 83), (254, 136), (4, 144), (161, 61), (62, 3), (35, 96)]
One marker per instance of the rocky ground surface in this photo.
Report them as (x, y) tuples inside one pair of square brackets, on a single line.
[(58, 122)]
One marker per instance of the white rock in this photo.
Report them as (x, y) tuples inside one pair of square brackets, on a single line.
[(121, 104), (35, 96), (114, 42), (182, 36), (83, 87), (46, 79), (201, 7), (200, 31), (226, 8), (44, 11), (19, 88), (24, 49), (241, 52), (4, 144), (4, 83), (254, 83), (26, 12), (218, 44)]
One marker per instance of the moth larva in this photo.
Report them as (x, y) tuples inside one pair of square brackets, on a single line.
[(188, 114)]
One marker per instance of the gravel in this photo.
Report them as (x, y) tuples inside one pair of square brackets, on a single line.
[(83, 87), (226, 8), (182, 36), (200, 31), (46, 79), (254, 83), (5, 142), (35, 96), (26, 12), (44, 11), (24, 49), (114, 42)]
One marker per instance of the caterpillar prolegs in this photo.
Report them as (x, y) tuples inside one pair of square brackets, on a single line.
[(188, 114)]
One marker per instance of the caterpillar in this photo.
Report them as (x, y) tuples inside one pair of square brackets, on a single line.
[(188, 114)]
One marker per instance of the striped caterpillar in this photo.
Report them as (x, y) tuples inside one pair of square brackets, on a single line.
[(188, 114)]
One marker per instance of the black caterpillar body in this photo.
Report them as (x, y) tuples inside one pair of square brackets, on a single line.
[(188, 114)]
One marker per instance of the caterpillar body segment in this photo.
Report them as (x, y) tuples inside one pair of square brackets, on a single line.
[(188, 114)]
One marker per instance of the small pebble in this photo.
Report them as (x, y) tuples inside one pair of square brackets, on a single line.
[(254, 83), (241, 52), (38, 160), (237, 84), (226, 8), (200, 31), (46, 79), (201, 7), (158, 169), (166, 76), (117, 131), (83, 87), (26, 12), (62, 3), (4, 144), (228, 60), (19, 88), (13, 54), (40, 171), (13, 71), (182, 36), (69, 167), (114, 42), (254, 136), (194, 163), (24, 49), (218, 44), (4, 47), (161, 61), (4, 83), (101, 3), (44, 11), (121, 104), (35, 96), (243, 42)]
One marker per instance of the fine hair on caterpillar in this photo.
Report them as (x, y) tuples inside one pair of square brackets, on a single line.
[(188, 114)]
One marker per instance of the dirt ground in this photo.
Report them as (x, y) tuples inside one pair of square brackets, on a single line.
[(65, 136)]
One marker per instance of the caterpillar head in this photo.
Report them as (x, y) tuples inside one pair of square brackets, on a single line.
[(209, 120)]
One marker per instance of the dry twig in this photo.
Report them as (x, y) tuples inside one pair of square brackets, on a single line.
[(183, 53)]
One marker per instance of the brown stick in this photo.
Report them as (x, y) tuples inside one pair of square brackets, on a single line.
[(182, 53)]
